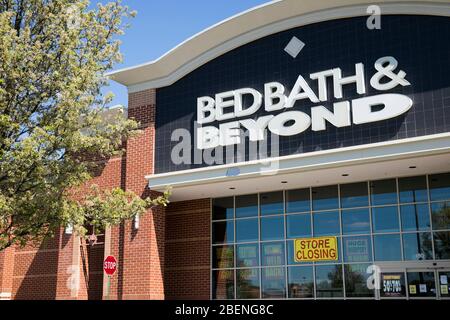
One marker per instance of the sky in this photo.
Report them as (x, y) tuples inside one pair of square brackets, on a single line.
[(161, 25)]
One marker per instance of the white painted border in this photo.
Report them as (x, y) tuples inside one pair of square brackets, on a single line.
[(375, 152), (174, 72)]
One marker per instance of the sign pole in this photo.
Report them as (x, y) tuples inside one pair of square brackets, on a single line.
[(108, 285), (110, 267)]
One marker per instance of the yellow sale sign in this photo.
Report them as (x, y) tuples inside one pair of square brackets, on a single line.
[(315, 249)]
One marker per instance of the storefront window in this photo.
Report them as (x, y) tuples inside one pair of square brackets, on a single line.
[(387, 247), (354, 195), (298, 225), (442, 244), (272, 228), (223, 284), (253, 254), (300, 282), (326, 223), (247, 283), (329, 281), (357, 249), (421, 284), (383, 192), (417, 246), (444, 278), (223, 208), (393, 285), (325, 198), (385, 219), (271, 203), (272, 253), (415, 217), (247, 206), (356, 281), (223, 257), (273, 283), (223, 231), (439, 186), (413, 189), (246, 230), (355, 221), (298, 200), (440, 213), (247, 255)]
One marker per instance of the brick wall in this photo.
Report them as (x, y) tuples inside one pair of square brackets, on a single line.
[(187, 267), (140, 252)]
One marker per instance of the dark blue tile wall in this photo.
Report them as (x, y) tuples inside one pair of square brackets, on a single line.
[(421, 44)]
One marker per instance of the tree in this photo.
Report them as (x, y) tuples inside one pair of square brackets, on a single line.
[(53, 58)]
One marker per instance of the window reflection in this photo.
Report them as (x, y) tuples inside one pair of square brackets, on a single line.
[(298, 225), (325, 198), (223, 257), (273, 283), (247, 206), (272, 253), (329, 281), (415, 217), (247, 255), (357, 249), (272, 228), (246, 230), (417, 246), (383, 192), (223, 232), (387, 247), (223, 208), (442, 245), (413, 189), (300, 282), (385, 219), (356, 281), (440, 213), (271, 203), (356, 221), (439, 186), (247, 283), (223, 284), (326, 223), (298, 200), (354, 195)]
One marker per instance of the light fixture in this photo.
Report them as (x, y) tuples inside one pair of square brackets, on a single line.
[(136, 222)]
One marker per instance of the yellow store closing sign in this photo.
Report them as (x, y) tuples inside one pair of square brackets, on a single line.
[(315, 249)]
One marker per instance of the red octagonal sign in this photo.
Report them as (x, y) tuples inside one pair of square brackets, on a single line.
[(110, 265)]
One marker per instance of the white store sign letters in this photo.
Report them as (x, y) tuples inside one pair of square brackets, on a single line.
[(227, 107)]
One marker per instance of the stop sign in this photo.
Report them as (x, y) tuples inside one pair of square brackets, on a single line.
[(110, 265)]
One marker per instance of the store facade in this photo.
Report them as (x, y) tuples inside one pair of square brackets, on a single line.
[(353, 123), (308, 147), (312, 126)]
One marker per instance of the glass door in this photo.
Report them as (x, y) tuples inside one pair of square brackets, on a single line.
[(443, 285), (421, 284)]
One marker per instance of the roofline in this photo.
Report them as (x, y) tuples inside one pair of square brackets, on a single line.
[(138, 66), (252, 24)]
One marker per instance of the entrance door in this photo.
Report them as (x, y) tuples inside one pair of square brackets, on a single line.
[(443, 283), (421, 284)]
